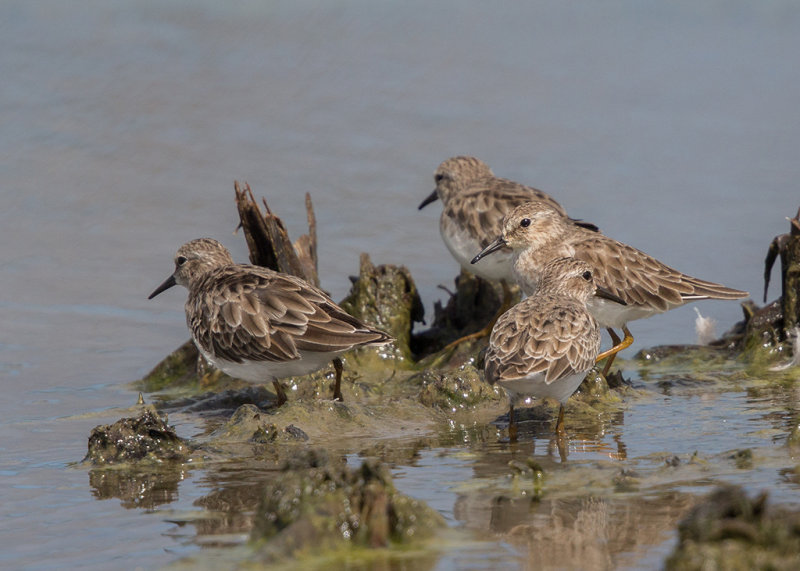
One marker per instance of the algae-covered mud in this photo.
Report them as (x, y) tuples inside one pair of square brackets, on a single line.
[(687, 456), (427, 453)]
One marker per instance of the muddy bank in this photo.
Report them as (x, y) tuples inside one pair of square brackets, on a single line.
[(631, 467)]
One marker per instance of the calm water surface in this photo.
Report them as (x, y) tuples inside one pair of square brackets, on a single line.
[(673, 126)]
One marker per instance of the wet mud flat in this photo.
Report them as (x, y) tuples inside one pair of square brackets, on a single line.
[(690, 455)]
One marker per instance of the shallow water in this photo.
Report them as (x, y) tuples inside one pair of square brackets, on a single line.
[(672, 126)]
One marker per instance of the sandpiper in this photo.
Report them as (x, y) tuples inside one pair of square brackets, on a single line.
[(474, 203), (537, 233), (545, 345), (256, 324)]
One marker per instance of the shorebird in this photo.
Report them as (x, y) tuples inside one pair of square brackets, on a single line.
[(537, 233), (256, 324), (545, 345)]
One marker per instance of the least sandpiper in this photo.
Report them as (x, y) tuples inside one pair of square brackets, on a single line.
[(545, 345), (537, 233), (474, 202), (256, 324)]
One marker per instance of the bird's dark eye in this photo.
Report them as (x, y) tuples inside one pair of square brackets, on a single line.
[(180, 260), (438, 177), (525, 222), (587, 275)]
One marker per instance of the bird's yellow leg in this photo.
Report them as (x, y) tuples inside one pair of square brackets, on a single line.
[(618, 346)]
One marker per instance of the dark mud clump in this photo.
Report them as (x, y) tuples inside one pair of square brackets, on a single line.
[(730, 530), (146, 437), (787, 246), (386, 297), (768, 327), (318, 505), (472, 304)]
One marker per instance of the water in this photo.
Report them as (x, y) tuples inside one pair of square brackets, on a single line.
[(673, 126)]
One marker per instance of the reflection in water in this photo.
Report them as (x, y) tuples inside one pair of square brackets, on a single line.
[(589, 437), (587, 530), (228, 510), (579, 532), (237, 488), (783, 402), (137, 488)]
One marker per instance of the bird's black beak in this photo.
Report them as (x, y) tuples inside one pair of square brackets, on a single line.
[(493, 247), (605, 294), (432, 198), (168, 283)]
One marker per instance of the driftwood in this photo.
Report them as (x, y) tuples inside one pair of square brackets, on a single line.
[(788, 247), (268, 241), (771, 324)]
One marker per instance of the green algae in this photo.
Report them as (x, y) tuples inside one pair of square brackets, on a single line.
[(251, 424), (730, 530), (320, 505), (179, 368), (743, 459), (394, 420), (455, 390), (386, 297)]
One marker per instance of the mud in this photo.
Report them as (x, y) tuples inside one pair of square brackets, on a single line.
[(730, 530), (316, 482)]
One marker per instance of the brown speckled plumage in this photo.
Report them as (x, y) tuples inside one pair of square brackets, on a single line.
[(258, 324), (475, 199), (544, 346), (550, 332), (647, 285), (246, 312), (474, 202)]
